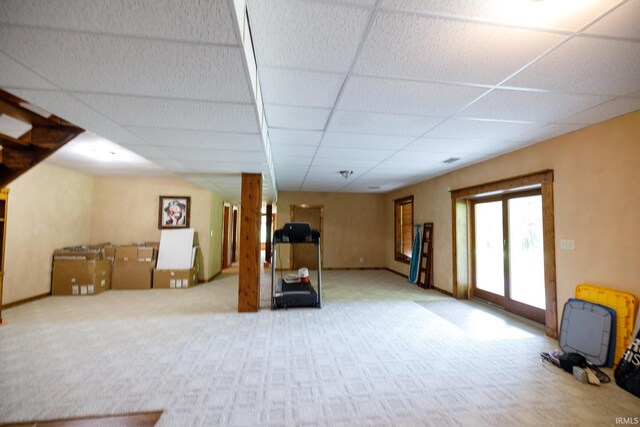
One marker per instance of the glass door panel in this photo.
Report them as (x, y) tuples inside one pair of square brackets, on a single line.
[(489, 252), (526, 251)]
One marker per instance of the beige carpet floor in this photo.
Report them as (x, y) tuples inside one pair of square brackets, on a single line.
[(375, 354)]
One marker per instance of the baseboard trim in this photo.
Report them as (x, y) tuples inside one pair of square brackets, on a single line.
[(211, 278), (24, 301), (442, 291)]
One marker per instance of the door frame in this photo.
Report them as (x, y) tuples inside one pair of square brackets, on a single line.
[(234, 235), (519, 308), (225, 235), (460, 224), (292, 216)]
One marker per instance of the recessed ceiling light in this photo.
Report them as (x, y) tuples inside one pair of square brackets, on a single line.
[(13, 127)]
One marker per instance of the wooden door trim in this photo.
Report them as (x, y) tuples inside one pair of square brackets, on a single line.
[(461, 197), (225, 238), (291, 215)]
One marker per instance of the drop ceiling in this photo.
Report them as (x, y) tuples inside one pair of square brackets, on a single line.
[(306, 88)]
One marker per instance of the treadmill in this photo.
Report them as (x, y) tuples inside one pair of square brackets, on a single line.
[(290, 294)]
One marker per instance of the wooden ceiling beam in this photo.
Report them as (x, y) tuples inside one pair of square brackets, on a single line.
[(45, 137)]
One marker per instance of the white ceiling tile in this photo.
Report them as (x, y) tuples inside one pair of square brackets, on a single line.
[(586, 65), (302, 151), (350, 153), (292, 166), (368, 3), (279, 116), (198, 139), (481, 129), (339, 164), (381, 124), (315, 36), (171, 164), (605, 111), (420, 157), (209, 21), (148, 152), (207, 166), (321, 186), (287, 175), (364, 141), (289, 186), (295, 137), (547, 132), (535, 106), (75, 111), (406, 97), (218, 156), (561, 15), (452, 147), (622, 22), (428, 48), (300, 88), (409, 168), (87, 62), (171, 113), (13, 74)]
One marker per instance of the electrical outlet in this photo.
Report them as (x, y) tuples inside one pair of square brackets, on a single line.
[(567, 244), (361, 260)]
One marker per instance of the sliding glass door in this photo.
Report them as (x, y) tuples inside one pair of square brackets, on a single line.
[(508, 253)]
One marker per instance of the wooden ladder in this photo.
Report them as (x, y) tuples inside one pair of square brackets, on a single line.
[(425, 279)]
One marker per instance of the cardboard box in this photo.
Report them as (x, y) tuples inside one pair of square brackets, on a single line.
[(110, 252), (175, 278), (80, 277), (146, 254), (131, 274), (77, 253), (126, 253)]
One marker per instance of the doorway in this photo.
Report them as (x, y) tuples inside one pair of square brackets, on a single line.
[(225, 238), (508, 252), (304, 255)]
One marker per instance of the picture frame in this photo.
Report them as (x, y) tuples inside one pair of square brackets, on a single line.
[(174, 212)]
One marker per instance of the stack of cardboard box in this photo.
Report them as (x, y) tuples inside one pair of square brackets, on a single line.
[(132, 267), (92, 269), (80, 270), (178, 259)]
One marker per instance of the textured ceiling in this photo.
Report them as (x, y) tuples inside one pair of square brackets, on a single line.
[(386, 88)]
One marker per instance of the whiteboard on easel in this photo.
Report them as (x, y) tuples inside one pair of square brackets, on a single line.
[(176, 249)]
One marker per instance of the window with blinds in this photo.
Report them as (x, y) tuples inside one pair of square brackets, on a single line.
[(403, 228)]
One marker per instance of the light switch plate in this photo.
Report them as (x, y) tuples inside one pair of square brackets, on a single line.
[(567, 244)]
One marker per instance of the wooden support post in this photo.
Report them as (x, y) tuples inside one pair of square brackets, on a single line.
[(251, 216), (267, 244)]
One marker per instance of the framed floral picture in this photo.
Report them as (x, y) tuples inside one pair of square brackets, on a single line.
[(174, 212)]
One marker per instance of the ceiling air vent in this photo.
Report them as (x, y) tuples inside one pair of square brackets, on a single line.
[(451, 160)]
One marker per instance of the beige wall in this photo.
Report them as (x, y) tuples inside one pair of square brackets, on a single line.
[(126, 210), (353, 227), (597, 204), (49, 207)]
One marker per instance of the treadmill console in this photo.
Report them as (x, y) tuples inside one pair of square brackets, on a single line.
[(296, 232)]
